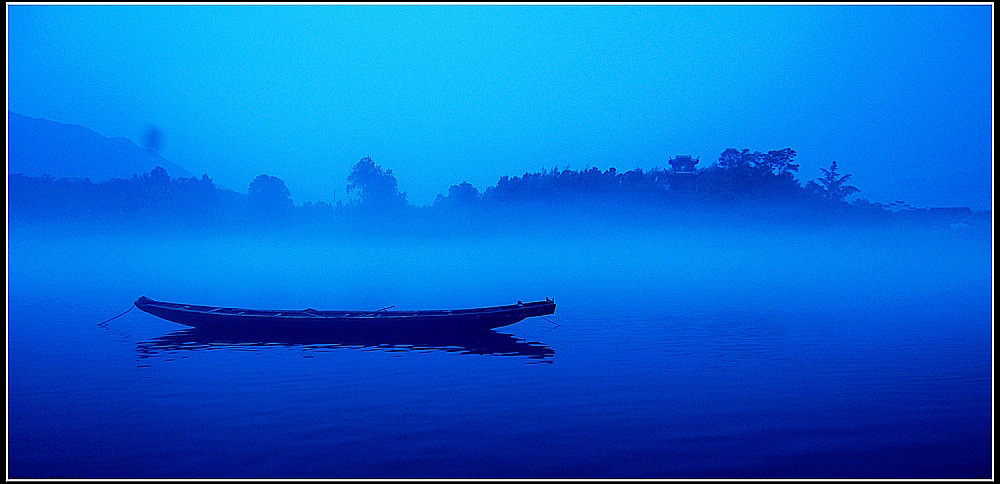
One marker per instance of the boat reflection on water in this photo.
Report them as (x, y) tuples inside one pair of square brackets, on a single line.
[(485, 342)]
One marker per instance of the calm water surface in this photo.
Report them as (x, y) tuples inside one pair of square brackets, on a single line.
[(758, 355)]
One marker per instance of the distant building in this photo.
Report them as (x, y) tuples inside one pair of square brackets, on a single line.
[(682, 174), (899, 206), (948, 216), (683, 163), (936, 216), (949, 213)]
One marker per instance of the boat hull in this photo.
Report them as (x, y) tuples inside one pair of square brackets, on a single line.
[(308, 320)]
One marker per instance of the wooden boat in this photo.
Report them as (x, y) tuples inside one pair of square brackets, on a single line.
[(476, 319)]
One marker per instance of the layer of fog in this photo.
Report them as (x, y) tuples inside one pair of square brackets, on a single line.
[(612, 268)]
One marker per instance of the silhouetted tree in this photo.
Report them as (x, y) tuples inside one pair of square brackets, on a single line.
[(579, 188), (778, 162), (832, 185), (319, 210), (742, 174), (376, 187), (153, 193), (463, 194), (158, 176), (738, 160), (268, 192)]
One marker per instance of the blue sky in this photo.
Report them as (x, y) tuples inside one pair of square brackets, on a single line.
[(900, 96)]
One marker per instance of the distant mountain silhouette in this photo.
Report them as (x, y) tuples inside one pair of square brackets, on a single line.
[(38, 147)]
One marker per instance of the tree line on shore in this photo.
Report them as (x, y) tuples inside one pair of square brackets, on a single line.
[(738, 178)]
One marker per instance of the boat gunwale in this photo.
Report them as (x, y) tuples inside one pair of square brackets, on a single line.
[(328, 314)]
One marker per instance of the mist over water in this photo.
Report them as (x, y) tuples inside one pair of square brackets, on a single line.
[(701, 350), (750, 263)]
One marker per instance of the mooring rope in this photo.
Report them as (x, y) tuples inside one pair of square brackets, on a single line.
[(102, 323), (549, 320)]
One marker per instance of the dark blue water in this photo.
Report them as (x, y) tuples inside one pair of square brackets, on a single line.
[(730, 354)]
